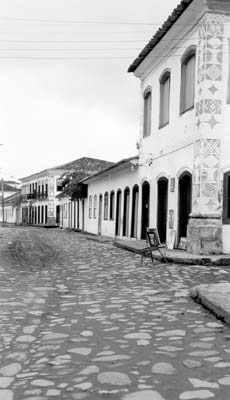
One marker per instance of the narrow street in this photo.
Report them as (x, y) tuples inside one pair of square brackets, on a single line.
[(84, 320)]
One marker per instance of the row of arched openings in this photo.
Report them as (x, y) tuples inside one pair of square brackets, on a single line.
[(114, 208), (184, 206)]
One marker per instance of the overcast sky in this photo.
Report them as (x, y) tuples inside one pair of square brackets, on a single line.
[(64, 88)]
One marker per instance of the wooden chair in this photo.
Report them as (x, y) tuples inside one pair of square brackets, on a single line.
[(154, 243)]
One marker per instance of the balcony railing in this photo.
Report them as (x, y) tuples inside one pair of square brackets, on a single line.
[(37, 196), (30, 196), (42, 196)]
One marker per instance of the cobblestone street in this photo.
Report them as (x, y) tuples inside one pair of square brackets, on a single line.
[(84, 320)]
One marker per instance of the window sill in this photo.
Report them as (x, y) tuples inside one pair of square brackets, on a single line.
[(187, 109), (163, 125)]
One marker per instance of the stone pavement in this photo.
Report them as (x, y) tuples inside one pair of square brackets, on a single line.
[(84, 320)]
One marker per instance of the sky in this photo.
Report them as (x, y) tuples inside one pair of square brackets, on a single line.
[(64, 88)]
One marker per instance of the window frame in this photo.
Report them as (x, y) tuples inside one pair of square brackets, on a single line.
[(184, 89), (90, 206), (163, 113), (147, 113), (95, 206)]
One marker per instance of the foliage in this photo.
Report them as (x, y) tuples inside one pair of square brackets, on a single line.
[(73, 187)]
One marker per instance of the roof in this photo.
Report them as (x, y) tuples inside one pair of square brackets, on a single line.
[(80, 163), (114, 166), (7, 188), (177, 12), (87, 164), (14, 198)]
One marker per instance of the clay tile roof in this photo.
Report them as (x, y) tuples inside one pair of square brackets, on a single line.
[(177, 12)]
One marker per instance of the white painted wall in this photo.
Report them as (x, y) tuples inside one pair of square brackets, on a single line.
[(112, 181), (12, 215), (181, 128)]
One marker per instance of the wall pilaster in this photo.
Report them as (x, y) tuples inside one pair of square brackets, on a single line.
[(204, 231)]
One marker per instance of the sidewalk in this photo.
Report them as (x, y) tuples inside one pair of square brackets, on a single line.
[(215, 297), (176, 256)]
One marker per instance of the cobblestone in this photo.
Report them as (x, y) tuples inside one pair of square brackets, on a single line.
[(85, 320)]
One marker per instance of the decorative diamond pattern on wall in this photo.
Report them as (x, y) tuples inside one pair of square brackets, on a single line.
[(213, 72), (215, 42), (211, 204), (209, 190), (215, 24), (212, 122), (213, 89), (211, 146), (212, 106), (209, 109)]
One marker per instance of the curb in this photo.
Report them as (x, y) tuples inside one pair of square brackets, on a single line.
[(214, 297)]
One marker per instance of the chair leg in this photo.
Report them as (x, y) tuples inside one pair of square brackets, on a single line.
[(163, 256), (142, 258), (151, 255)]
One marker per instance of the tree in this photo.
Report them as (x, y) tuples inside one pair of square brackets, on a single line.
[(73, 187)]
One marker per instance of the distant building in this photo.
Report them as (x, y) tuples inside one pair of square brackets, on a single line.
[(112, 205), (6, 189), (40, 205), (12, 209), (73, 199)]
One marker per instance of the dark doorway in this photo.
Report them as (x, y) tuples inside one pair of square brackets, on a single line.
[(135, 211), (162, 206), (46, 214), (118, 214), (145, 209), (185, 199), (126, 212), (57, 215), (42, 214), (83, 215), (100, 214)]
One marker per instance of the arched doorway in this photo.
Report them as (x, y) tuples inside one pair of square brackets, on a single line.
[(134, 211), (162, 207), (126, 212), (145, 209), (118, 214), (185, 200)]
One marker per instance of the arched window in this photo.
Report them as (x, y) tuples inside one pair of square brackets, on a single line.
[(90, 206), (106, 205), (187, 94), (112, 206), (147, 112), (95, 206), (164, 98)]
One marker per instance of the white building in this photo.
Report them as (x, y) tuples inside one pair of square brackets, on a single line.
[(181, 184), (10, 209), (73, 202)]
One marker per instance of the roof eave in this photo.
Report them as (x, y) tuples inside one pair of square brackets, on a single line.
[(175, 15)]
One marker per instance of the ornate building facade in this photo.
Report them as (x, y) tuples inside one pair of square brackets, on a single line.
[(182, 176)]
